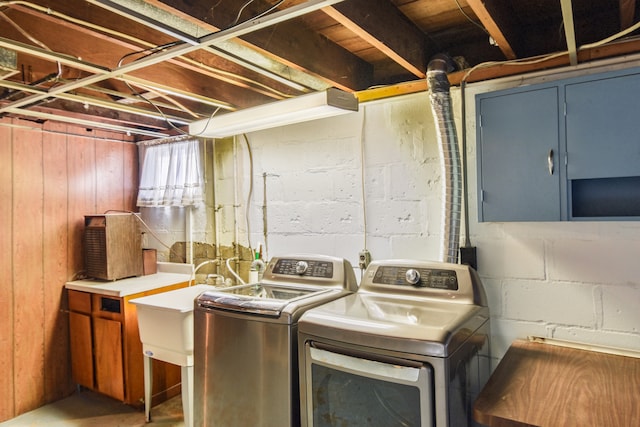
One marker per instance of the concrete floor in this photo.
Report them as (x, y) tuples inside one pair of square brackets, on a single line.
[(89, 409)]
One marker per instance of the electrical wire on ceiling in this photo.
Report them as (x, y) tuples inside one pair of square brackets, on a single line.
[(242, 8), (152, 50), (477, 24), (544, 58), (169, 99), (117, 34), (230, 77)]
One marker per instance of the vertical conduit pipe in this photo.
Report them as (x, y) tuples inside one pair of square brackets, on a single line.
[(450, 164)]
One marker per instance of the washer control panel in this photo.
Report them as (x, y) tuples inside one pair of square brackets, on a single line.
[(304, 267), (424, 279), (421, 277)]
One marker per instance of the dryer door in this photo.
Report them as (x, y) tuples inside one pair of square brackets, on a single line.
[(354, 390)]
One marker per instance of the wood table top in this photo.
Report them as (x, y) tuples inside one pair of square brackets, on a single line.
[(538, 384)]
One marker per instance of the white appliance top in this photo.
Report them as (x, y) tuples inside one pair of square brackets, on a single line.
[(417, 307)]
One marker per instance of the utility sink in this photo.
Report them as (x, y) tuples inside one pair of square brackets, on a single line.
[(165, 321)]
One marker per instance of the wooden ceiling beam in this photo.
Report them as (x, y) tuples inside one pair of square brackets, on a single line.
[(382, 25), (499, 23), (289, 43), (627, 13), (99, 48), (503, 69)]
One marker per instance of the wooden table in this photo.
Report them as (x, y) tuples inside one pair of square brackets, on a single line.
[(538, 384)]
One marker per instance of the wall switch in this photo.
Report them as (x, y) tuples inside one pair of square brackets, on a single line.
[(364, 258)]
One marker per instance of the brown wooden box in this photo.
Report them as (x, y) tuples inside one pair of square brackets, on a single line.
[(149, 261)]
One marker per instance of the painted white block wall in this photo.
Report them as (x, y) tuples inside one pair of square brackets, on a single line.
[(578, 281), (316, 192), (575, 281)]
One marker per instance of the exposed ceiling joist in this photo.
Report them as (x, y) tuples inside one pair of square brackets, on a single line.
[(627, 13), (95, 59), (498, 23), (187, 29), (380, 24), (180, 49), (289, 43)]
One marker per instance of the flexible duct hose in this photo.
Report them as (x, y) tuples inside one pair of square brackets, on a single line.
[(450, 163)]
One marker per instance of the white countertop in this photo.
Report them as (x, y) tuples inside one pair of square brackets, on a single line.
[(130, 286)]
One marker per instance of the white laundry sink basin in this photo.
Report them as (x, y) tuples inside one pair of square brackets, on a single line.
[(165, 321)]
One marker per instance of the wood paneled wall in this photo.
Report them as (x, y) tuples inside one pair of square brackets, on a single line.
[(51, 175)]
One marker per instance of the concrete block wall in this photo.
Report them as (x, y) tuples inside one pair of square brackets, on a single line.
[(317, 196), (577, 281), (574, 281)]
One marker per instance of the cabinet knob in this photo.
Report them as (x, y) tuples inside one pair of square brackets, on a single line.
[(550, 161)]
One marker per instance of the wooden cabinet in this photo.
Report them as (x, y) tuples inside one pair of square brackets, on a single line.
[(561, 150), (81, 338), (106, 352)]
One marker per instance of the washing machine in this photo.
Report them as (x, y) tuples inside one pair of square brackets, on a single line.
[(245, 341), (410, 348)]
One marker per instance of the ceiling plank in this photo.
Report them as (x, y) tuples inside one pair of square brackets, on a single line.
[(382, 25), (627, 13), (496, 20)]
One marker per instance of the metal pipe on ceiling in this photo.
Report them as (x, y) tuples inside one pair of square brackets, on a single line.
[(569, 30), (86, 123), (90, 100), (96, 69), (239, 51)]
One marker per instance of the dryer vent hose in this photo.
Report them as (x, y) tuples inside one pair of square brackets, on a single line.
[(450, 164)]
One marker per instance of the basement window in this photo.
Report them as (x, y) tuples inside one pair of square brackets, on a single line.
[(171, 175)]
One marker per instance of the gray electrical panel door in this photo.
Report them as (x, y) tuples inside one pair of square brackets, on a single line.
[(518, 155)]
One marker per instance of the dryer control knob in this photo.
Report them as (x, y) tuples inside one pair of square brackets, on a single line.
[(413, 276), (301, 267)]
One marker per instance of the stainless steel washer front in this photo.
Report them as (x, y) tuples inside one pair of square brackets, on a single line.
[(245, 341)]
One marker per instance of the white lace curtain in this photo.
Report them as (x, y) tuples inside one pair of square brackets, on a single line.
[(171, 175)]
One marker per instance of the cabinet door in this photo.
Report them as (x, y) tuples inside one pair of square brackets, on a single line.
[(602, 128), (108, 355), (81, 349), (518, 155)]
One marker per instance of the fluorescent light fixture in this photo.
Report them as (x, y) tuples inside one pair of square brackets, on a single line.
[(317, 105)]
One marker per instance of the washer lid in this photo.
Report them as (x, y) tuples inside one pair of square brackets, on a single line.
[(394, 322), (258, 298)]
